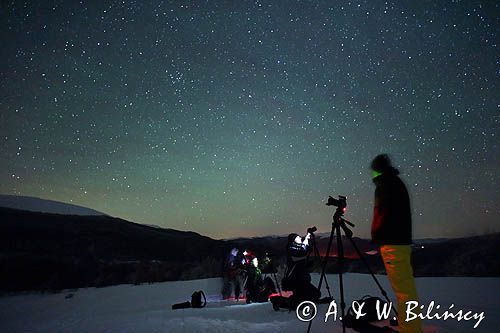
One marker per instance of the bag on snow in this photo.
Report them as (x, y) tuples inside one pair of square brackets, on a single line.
[(195, 301), (370, 310)]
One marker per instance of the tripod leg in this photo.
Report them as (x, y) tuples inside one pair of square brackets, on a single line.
[(325, 261), (317, 255), (327, 287), (277, 284), (363, 260), (340, 252)]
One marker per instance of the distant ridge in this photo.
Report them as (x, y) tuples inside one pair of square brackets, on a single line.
[(34, 204), (47, 251)]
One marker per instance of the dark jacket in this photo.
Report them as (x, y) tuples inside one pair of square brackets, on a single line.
[(391, 223), (297, 273)]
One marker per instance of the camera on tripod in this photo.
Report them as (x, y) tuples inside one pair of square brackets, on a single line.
[(340, 225), (312, 230), (341, 202)]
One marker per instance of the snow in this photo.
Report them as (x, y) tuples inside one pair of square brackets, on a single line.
[(147, 308), (46, 206)]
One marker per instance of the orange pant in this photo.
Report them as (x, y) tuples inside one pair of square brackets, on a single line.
[(397, 262)]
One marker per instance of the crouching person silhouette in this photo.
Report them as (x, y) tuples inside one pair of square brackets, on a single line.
[(257, 289), (297, 278)]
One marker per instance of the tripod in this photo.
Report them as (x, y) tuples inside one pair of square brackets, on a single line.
[(338, 224), (272, 271), (317, 255)]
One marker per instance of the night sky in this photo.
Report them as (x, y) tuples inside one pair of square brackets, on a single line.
[(239, 118)]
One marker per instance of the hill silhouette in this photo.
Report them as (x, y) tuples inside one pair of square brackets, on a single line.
[(53, 251), (42, 251)]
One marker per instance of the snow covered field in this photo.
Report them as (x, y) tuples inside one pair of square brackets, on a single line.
[(147, 308)]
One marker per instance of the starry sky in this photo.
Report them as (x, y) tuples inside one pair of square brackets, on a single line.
[(239, 118)]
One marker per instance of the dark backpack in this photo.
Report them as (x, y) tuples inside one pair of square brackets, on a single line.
[(196, 299), (370, 309)]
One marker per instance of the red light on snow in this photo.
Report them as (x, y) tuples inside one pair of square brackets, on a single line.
[(344, 209)]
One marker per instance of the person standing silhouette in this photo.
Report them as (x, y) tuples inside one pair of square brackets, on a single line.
[(392, 230)]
